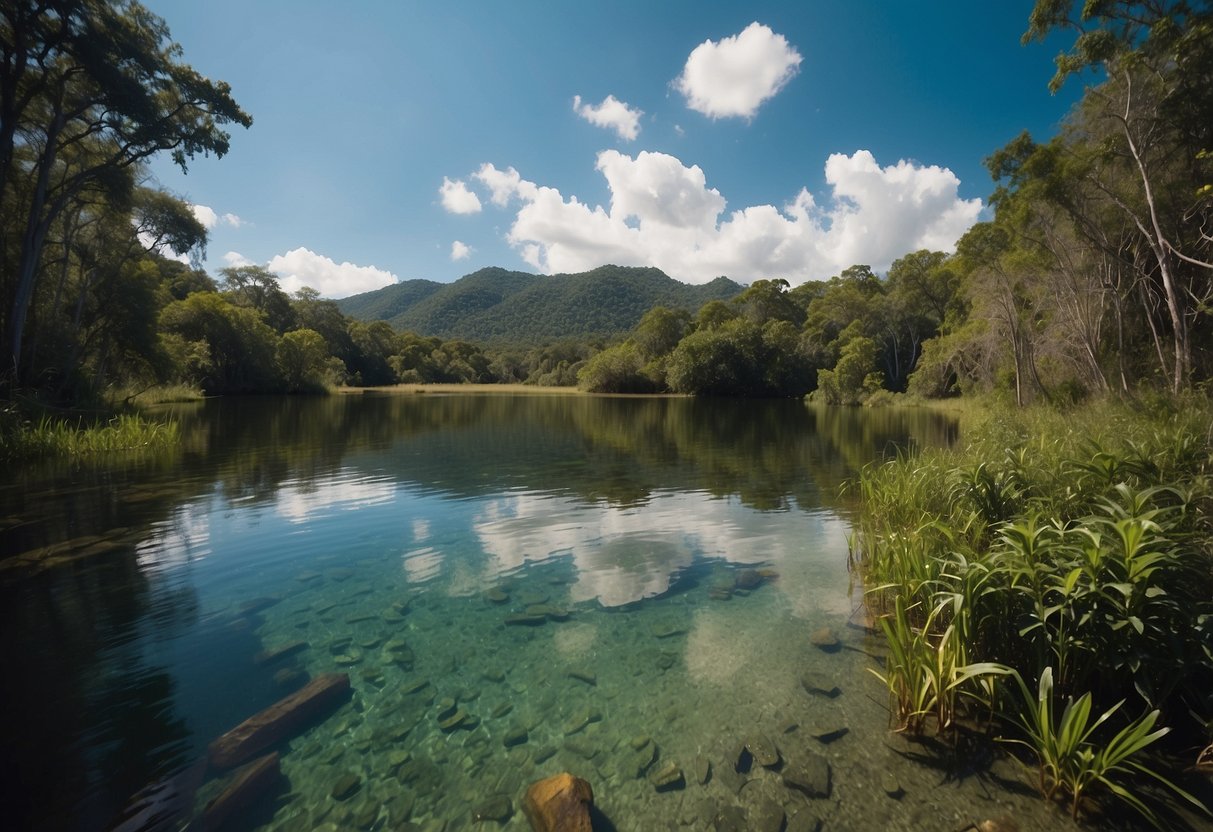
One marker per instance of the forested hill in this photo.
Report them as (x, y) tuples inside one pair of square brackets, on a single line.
[(496, 305)]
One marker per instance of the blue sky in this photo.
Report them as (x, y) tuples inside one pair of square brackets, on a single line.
[(775, 140)]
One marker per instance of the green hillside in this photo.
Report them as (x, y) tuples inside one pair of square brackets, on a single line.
[(496, 305)]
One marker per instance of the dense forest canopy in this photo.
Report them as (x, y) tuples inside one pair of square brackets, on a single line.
[(1094, 275)]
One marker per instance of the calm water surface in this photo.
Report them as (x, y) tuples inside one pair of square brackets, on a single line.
[(606, 586)]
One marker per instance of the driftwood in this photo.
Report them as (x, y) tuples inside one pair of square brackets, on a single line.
[(246, 787), (278, 721)]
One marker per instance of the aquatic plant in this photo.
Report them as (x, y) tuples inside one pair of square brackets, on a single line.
[(57, 437), (1071, 760)]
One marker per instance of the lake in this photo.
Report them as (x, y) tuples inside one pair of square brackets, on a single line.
[(624, 588)]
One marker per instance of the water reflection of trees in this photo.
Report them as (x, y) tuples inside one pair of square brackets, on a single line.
[(75, 634)]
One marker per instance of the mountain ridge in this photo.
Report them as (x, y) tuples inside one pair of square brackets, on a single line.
[(494, 304)]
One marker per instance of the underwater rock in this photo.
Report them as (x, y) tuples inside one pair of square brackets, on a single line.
[(496, 595), (279, 720), (498, 808), (764, 752), (811, 776), (544, 754), (516, 735), (825, 639), (249, 784), (273, 654), (667, 660), (501, 710), (340, 573), (584, 675), (459, 718), (826, 727), (532, 598), (493, 674), (731, 819), (346, 785), (891, 786), (748, 579), (414, 686), (701, 769), (582, 748), (644, 758), (668, 630), (581, 720), (667, 777), (549, 611), (818, 684), (521, 619), (803, 821), (308, 576), (559, 804), (766, 816), (446, 707), (639, 742), (364, 816)]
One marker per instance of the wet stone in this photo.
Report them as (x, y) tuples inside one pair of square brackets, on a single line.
[(666, 660), (644, 758), (366, 815), (548, 611), (803, 821), (544, 754), (584, 675), (668, 630), (516, 735), (730, 819), (415, 686), (493, 674), (346, 786), (701, 769), (818, 684), (891, 786), (767, 816), (581, 720), (496, 595), (524, 620), (497, 808), (532, 597), (501, 710), (764, 752), (581, 747), (639, 742), (667, 777), (397, 757), (748, 579), (459, 719), (825, 639), (810, 776)]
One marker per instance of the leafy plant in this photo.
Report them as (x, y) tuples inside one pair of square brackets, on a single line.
[(1072, 761)]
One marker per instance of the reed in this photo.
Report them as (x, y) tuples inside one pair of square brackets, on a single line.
[(58, 437)]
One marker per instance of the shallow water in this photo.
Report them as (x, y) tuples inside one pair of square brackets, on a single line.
[(674, 556)]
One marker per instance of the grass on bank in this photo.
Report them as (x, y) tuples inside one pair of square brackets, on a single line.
[(1054, 557)]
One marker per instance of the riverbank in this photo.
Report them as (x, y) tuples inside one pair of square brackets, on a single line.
[(1053, 557)]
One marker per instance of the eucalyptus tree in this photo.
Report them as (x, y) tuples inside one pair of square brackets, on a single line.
[(88, 90)]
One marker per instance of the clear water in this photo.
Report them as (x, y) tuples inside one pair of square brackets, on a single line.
[(396, 536)]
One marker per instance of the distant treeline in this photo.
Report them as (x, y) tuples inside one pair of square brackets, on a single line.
[(1095, 275)]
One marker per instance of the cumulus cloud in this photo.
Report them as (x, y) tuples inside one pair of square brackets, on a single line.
[(505, 184), (235, 260), (460, 250), (734, 76), (663, 213), (302, 267), (209, 218), (612, 114), (457, 199)]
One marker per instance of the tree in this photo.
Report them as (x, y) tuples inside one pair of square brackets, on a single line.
[(257, 288), (88, 89), (303, 360)]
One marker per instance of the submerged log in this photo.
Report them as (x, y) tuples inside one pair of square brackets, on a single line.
[(249, 784), (278, 721)]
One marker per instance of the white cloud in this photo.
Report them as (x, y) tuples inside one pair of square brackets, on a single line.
[(302, 267), (662, 213), (734, 76), (209, 218), (235, 260), (504, 184), (612, 114), (457, 199), (460, 250)]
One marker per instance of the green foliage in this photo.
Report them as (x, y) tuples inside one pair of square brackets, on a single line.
[(1082, 553), (303, 361), (222, 347), (49, 437), (620, 369), (504, 307)]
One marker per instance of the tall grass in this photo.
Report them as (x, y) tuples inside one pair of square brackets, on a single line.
[(1075, 547), (58, 437)]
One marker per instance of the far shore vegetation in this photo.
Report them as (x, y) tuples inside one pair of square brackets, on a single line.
[(1048, 583)]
